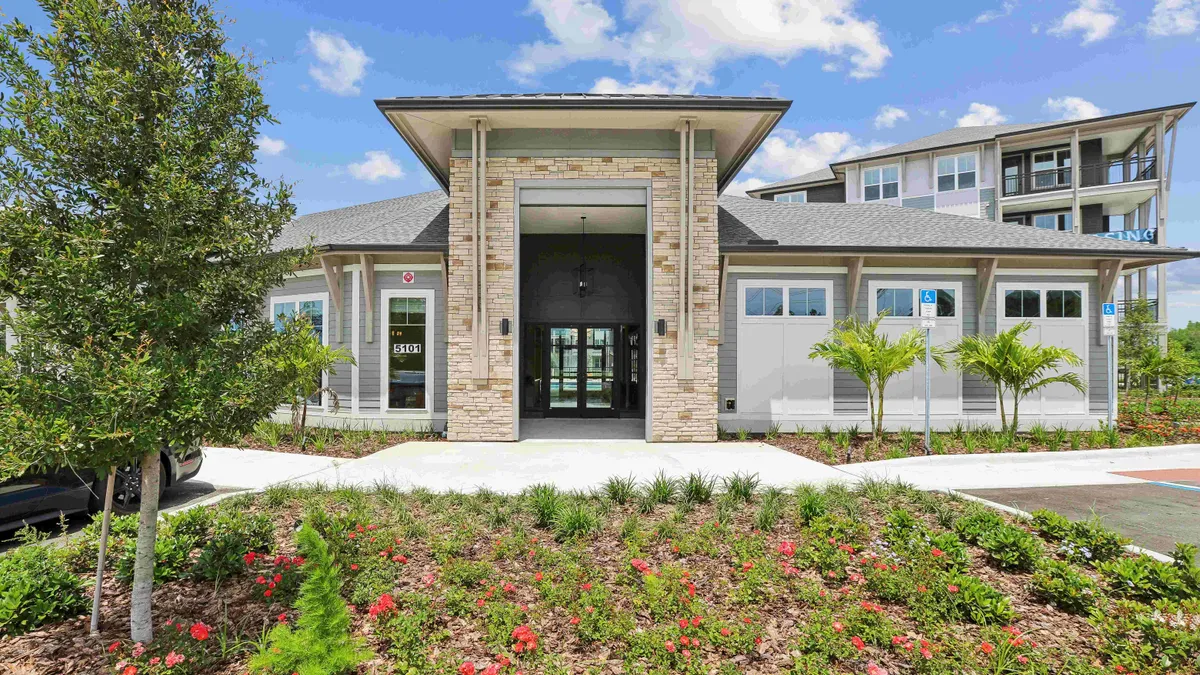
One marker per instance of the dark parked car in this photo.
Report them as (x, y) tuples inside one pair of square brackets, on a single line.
[(38, 497)]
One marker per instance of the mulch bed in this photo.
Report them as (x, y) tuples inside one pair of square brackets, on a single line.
[(338, 447)]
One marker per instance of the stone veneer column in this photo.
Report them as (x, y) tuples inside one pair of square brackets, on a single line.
[(483, 410)]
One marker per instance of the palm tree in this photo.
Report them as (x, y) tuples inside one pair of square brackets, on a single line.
[(1014, 367), (1153, 365), (305, 363), (859, 347)]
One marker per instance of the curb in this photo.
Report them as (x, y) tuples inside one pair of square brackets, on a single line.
[(1013, 511)]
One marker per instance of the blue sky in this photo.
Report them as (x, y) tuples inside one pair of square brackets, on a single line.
[(861, 74)]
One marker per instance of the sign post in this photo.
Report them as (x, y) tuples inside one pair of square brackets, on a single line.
[(928, 322), (1108, 312)]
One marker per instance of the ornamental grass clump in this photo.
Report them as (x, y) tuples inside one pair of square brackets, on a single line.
[(321, 643)]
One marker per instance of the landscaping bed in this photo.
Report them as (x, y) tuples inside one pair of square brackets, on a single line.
[(329, 442), (694, 576), (1168, 422)]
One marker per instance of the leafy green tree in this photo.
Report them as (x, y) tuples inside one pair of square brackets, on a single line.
[(861, 348), (136, 238), (305, 364), (1015, 368), (1188, 338), (1137, 332), (321, 642)]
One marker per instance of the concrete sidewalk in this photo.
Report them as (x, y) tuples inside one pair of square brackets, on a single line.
[(1027, 470), (239, 469), (571, 465)]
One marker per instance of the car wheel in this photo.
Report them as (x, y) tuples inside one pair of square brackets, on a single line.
[(127, 492)]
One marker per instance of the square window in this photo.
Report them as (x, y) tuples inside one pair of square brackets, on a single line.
[(1022, 304), (966, 163), (945, 302), (881, 183), (1064, 304)]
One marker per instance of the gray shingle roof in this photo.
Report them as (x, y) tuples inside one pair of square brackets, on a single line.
[(420, 221), (819, 176), (744, 222), (948, 138)]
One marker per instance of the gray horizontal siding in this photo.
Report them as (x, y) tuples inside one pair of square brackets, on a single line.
[(922, 202), (987, 203)]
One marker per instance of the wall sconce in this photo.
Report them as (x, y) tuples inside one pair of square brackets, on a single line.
[(660, 327), (505, 327)]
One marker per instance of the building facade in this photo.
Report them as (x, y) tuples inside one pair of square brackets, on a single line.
[(580, 262)]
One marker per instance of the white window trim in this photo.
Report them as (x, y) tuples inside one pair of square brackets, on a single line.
[(862, 179), (1084, 322), (875, 284), (793, 192), (308, 297), (784, 286), (431, 318), (1032, 219), (938, 174)]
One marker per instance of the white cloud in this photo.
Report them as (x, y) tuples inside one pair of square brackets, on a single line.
[(1074, 108), (340, 66), (376, 167), (1006, 9), (981, 115), (270, 146), (787, 154), (1174, 17), (609, 85), (738, 188), (888, 115), (677, 44), (1093, 18)]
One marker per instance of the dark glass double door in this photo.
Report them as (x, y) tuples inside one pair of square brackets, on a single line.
[(582, 370)]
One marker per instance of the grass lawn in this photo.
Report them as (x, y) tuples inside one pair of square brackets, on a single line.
[(1168, 422), (698, 576)]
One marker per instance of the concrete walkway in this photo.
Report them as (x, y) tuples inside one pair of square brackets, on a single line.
[(240, 469), (1027, 470), (571, 465)]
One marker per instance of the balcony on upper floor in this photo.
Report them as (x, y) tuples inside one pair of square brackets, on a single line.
[(1059, 175)]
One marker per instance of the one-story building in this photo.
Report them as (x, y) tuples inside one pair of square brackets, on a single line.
[(580, 261)]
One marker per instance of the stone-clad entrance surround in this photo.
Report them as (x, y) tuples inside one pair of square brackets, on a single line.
[(487, 408)]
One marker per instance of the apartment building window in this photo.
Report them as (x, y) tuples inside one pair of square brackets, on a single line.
[(1051, 169), (881, 182), (793, 197), (956, 173), (1053, 221)]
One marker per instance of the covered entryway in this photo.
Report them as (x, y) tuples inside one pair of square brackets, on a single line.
[(583, 309)]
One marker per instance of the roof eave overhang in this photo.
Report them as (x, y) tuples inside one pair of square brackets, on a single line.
[(766, 189), (1183, 109), (1156, 256), (383, 248), (771, 111)]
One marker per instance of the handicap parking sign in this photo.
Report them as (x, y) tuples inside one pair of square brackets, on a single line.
[(1110, 309), (928, 303)]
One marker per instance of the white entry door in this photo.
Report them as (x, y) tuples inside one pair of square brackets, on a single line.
[(1058, 313), (778, 322), (905, 393)]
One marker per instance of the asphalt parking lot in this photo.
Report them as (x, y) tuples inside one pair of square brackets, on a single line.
[(1155, 514)]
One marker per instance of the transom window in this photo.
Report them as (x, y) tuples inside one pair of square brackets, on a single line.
[(1064, 304), (806, 302), (881, 182), (764, 302), (1053, 221), (793, 197), (895, 302), (1022, 304), (956, 173)]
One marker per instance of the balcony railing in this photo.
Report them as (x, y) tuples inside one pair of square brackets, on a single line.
[(1105, 173), (1152, 305)]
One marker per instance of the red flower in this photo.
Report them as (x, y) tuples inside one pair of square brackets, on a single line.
[(384, 605), (695, 621), (353, 567), (986, 647), (937, 552), (509, 588), (858, 643), (129, 670), (260, 580), (670, 646), (267, 593), (400, 558), (725, 632), (467, 668), (838, 627), (787, 548), (114, 647), (683, 624), (537, 576), (952, 588), (249, 558), (574, 621), (200, 631), (282, 617)]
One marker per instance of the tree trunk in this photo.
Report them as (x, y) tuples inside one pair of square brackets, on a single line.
[(1016, 411), (1146, 406), (871, 411), (107, 520), (1003, 418), (141, 619), (303, 423), (879, 423)]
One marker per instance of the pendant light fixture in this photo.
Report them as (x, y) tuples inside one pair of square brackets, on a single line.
[(584, 272)]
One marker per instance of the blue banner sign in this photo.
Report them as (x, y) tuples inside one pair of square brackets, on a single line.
[(1145, 236)]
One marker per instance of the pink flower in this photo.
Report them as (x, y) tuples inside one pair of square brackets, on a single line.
[(952, 588), (467, 668), (670, 646), (787, 548), (838, 627), (574, 621), (174, 659), (138, 650), (873, 669)]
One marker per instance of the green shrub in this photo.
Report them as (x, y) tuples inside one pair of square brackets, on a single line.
[(544, 501), (741, 486), (662, 489), (1090, 541), (1051, 525), (409, 632), (1143, 578), (621, 489), (235, 533), (955, 556), (321, 643), (1061, 585), (901, 527), (698, 488), (37, 586), (974, 600), (1011, 547), (466, 573), (810, 506), (172, 553), (978, 522), (575, 519), (1157, 638)]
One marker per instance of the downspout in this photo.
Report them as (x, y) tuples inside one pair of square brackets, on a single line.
[(475, 248), (479, 316), (691, 286), (683, 338)]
